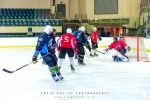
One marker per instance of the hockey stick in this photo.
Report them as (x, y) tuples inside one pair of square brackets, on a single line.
[(99, 51), (5, 70)]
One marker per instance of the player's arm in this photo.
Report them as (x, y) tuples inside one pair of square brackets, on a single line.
[(38, 48), (73, 43), (111, 46), (99, 37), (58, 43)]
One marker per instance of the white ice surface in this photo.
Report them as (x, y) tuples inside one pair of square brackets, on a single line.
[(120, 81)]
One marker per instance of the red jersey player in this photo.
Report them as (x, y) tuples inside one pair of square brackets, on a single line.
[(68, 45), (120, 48), (94, 40)]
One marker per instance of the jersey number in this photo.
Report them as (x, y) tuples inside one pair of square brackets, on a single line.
[(66, 39)]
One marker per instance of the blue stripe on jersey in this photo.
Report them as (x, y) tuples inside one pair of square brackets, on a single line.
[(44, 49)]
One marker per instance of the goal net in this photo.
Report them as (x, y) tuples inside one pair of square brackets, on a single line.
[(137, 46)]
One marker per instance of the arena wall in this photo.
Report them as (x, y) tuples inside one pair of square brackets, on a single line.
[(31, 42), (126, 8), (25, 4), (24, 29)]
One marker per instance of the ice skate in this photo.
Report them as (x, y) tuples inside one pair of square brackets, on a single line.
[(55, 79), (72, 68), (91, 55), (81, 63), (60, 76), (95, 54)]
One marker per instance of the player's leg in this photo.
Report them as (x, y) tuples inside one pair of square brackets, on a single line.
[(70, 53), (62, 55), (92, 51), (43, 62), (119, 56), (57, 70), (81, 54), (49, 61), (94, 46)]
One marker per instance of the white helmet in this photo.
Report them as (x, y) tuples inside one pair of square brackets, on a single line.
[(82, 28), (94, 29), (48, 28), (69, 30), (79, 29)]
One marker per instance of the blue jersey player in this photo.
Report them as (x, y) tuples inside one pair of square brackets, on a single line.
[(46, 47), (81, 39)]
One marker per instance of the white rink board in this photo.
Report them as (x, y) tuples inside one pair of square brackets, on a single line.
[(32, 42)]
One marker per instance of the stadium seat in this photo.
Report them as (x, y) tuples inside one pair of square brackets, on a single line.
[(12, 22), (27, 17), (24, 23), (20, 22), (16, 24), (3, 23)]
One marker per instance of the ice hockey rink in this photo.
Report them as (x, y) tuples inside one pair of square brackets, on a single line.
[(100, 79)]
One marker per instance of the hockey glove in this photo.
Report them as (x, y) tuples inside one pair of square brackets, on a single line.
[(100, 38), (52, 47), (127, 48), (34, 59)]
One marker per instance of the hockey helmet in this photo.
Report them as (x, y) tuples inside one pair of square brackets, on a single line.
[(69, 30), (94, 29), (79, 29), (82, 28), (115, 39), (48, 29)]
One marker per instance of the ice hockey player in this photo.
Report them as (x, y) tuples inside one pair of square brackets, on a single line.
[(68, 45), (120, 50), (81, 41), (94, 40), (46, 47), (54, 33)]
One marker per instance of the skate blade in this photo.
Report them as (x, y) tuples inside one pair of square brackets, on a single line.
[(57, 81), (81, 65), (72, 71)]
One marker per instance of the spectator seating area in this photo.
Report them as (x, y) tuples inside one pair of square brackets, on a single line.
[(29, 22), (27, 17)]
